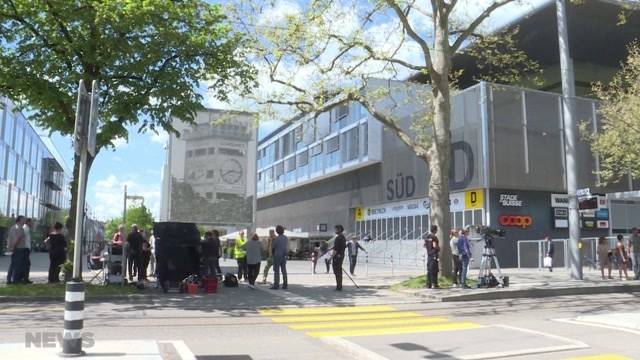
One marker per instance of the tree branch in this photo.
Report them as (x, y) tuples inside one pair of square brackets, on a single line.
[(64, 31), (409, 29)]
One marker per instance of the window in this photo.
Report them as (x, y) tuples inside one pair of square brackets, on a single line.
[(286, 143), (212, 151), (303, 158), (201, 152), (351, 145), (279, 170), (189, 153), (365, 139), (297, 134), (8, 129), (209, 174), (231, 152), (209, 195), (342, 111), (19, 138), (290, 164), (333, 144), (316, 150)]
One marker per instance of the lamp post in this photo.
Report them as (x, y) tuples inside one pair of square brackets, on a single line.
[(568, 109)]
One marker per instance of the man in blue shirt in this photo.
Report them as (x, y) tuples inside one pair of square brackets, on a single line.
[(465, 255), (279, 250)]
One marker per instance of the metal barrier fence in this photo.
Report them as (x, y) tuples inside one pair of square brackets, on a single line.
[(531, 252)]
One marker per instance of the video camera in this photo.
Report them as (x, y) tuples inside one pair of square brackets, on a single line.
[(489, 234)]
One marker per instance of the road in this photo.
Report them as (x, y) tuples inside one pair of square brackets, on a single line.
[(305, 323)]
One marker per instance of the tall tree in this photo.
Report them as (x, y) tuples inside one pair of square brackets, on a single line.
[(617, 141), (149, 57), (139, 215), (322, 53)]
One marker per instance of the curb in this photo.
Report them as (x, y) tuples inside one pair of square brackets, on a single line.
[(89, 298), (498, 294)]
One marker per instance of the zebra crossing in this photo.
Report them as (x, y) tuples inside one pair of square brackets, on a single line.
[(349, 321)]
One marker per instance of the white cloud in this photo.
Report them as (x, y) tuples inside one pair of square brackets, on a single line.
[(109, 194), (162, 137), (119, 143)]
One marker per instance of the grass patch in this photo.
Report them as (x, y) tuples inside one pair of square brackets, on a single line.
[(57, 290), (420, 282)]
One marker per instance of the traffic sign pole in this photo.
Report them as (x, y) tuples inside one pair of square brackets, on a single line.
[(84, 142)]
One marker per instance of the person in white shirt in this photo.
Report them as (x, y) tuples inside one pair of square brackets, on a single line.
[(27, 245), (152, 261)]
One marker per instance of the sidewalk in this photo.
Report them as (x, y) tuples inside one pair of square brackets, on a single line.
[(533, 283), (524, 283), (131, 349)]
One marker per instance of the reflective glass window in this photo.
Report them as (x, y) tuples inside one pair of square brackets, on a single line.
[(19, 138), (4, 199), (8, 129), (11, 167)]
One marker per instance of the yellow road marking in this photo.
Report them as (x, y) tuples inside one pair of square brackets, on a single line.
[(397, 330), (31, 309), (365, 323), (601, 357), (326, 310), (325, 318)]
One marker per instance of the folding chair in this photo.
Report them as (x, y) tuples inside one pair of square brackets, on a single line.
[(97, 270)]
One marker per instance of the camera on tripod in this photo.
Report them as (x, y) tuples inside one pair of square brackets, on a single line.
[(485, 276), (490, 233)]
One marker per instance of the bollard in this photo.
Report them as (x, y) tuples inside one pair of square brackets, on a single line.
[(392, 272), (366, 264), (73, 319)]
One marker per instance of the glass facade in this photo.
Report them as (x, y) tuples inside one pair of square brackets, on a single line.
[(313, 147), (32, 182)]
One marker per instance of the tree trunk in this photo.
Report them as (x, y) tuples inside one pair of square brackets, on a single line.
[(71, 222), (440, 151)]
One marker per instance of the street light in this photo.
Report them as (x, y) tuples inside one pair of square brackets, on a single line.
[(129, 197)]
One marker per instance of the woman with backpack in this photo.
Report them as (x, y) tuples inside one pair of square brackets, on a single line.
[(254, 257)]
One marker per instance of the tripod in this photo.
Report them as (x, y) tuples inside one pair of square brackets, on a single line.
[(488, 256)]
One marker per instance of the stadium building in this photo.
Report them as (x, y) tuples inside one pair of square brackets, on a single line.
[(508, 147)]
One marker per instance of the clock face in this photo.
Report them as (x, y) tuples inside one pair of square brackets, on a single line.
[(231, 171)]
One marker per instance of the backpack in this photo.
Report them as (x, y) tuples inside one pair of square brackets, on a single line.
[(230, 280)]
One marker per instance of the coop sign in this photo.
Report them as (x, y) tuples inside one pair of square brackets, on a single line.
[(510, 200)]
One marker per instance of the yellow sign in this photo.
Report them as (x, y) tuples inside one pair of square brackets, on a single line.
[(474, 199), (359, 214)]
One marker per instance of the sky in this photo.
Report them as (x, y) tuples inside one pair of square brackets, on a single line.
[(138, 162)]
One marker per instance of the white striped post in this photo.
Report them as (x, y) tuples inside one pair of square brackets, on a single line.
[(73, 319)]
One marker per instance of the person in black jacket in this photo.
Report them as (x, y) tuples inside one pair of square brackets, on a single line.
[(432, 245), (135, 240), (57, 245), (211, 252), (339, 246)]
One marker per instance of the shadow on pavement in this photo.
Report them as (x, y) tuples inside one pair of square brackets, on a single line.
[(430, 354)]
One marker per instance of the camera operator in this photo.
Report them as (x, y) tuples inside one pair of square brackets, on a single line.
[(433, 250)]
